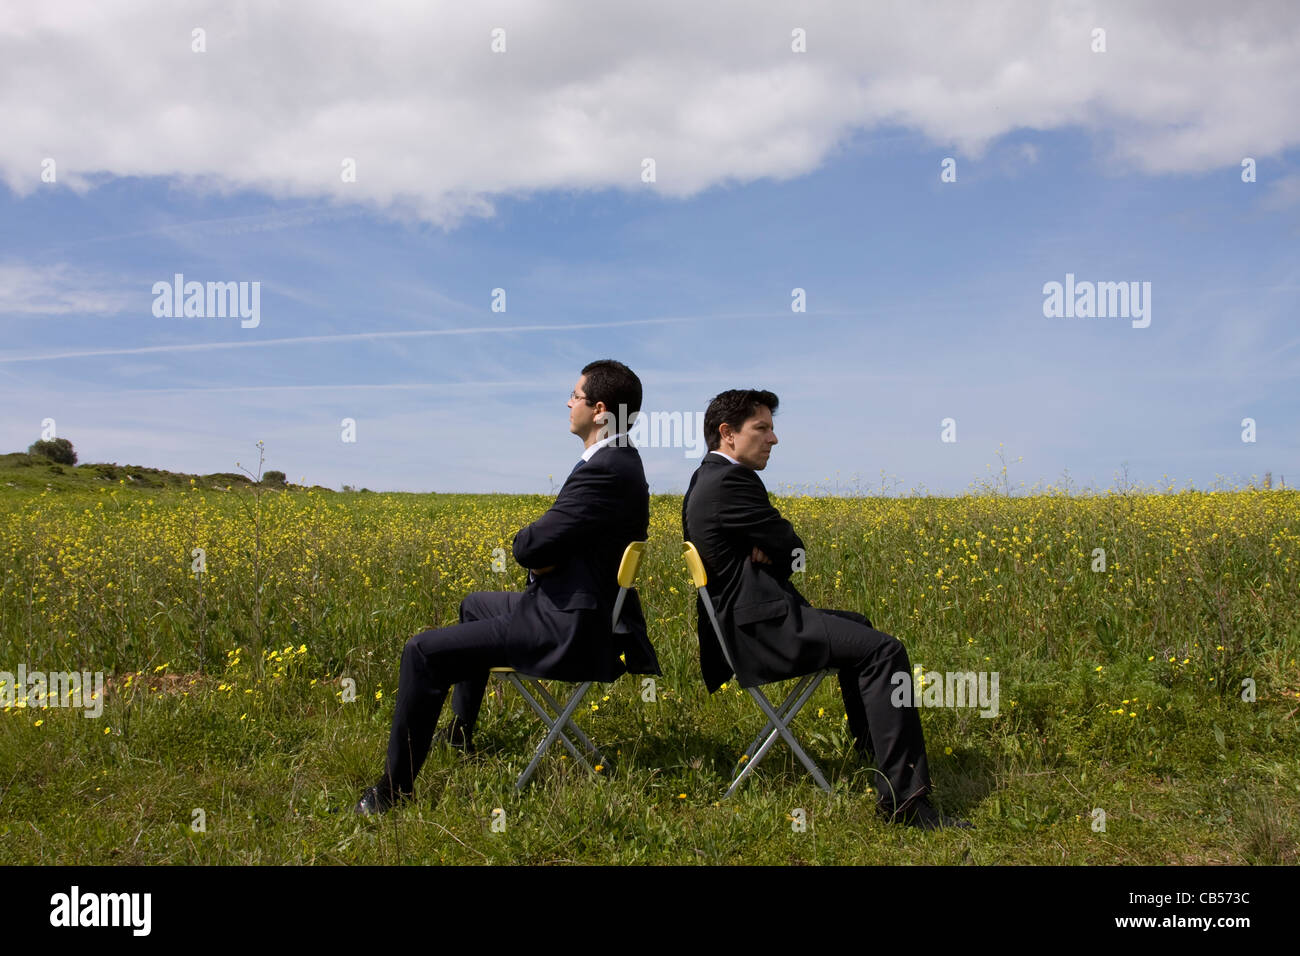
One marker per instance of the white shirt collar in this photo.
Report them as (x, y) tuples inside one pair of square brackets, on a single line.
[(726, 456), (586, 455)]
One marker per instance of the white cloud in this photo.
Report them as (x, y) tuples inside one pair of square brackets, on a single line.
[(439, 125), (59, 289), (472, 330)]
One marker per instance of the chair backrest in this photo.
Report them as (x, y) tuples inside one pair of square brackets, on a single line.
[(627, 569), (631, 563), (695, 565)]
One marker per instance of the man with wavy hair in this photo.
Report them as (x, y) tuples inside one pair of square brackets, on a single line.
[(772, 633)]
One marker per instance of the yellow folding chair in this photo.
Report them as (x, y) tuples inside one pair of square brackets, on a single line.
[(778, 718), (559, 718)]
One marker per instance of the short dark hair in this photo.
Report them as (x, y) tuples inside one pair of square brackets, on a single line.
[(735, 407), (614, 384)]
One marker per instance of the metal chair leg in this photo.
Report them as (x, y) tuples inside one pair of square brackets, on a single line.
[(577, 731), (545, 715), (780, 719), (556, 730)]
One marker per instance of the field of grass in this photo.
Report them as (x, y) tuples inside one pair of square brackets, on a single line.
[(1120, 690)]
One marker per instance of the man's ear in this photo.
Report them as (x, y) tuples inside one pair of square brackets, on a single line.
[(602, 418)]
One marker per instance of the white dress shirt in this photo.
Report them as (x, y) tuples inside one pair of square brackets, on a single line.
[(586, 455)]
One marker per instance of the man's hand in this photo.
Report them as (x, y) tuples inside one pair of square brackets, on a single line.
[(758, 557), (538, 572)]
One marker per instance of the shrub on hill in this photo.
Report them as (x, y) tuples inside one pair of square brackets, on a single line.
[(58, 450)]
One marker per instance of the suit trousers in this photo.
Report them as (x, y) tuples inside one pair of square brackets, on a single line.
[(462, 654), (866, 659)]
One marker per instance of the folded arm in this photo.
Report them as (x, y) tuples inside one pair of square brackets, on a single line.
[(588, 503), (750, 518)]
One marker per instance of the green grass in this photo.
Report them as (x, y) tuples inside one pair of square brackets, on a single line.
[(97, 577)]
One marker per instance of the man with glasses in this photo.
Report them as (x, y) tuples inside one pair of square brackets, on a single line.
[(559, 627)]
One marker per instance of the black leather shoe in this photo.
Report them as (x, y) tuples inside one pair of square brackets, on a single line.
[(922, 815), (376, 800)]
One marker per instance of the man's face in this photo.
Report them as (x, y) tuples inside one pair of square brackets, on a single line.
[(751, 445), (582, 416)]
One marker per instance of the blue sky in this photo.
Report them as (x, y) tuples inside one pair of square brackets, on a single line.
[(924, 298)]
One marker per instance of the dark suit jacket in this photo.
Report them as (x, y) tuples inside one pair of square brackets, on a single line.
[(561, 627), (771, 632)]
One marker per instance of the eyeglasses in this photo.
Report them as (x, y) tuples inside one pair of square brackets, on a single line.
[(575, 397)]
